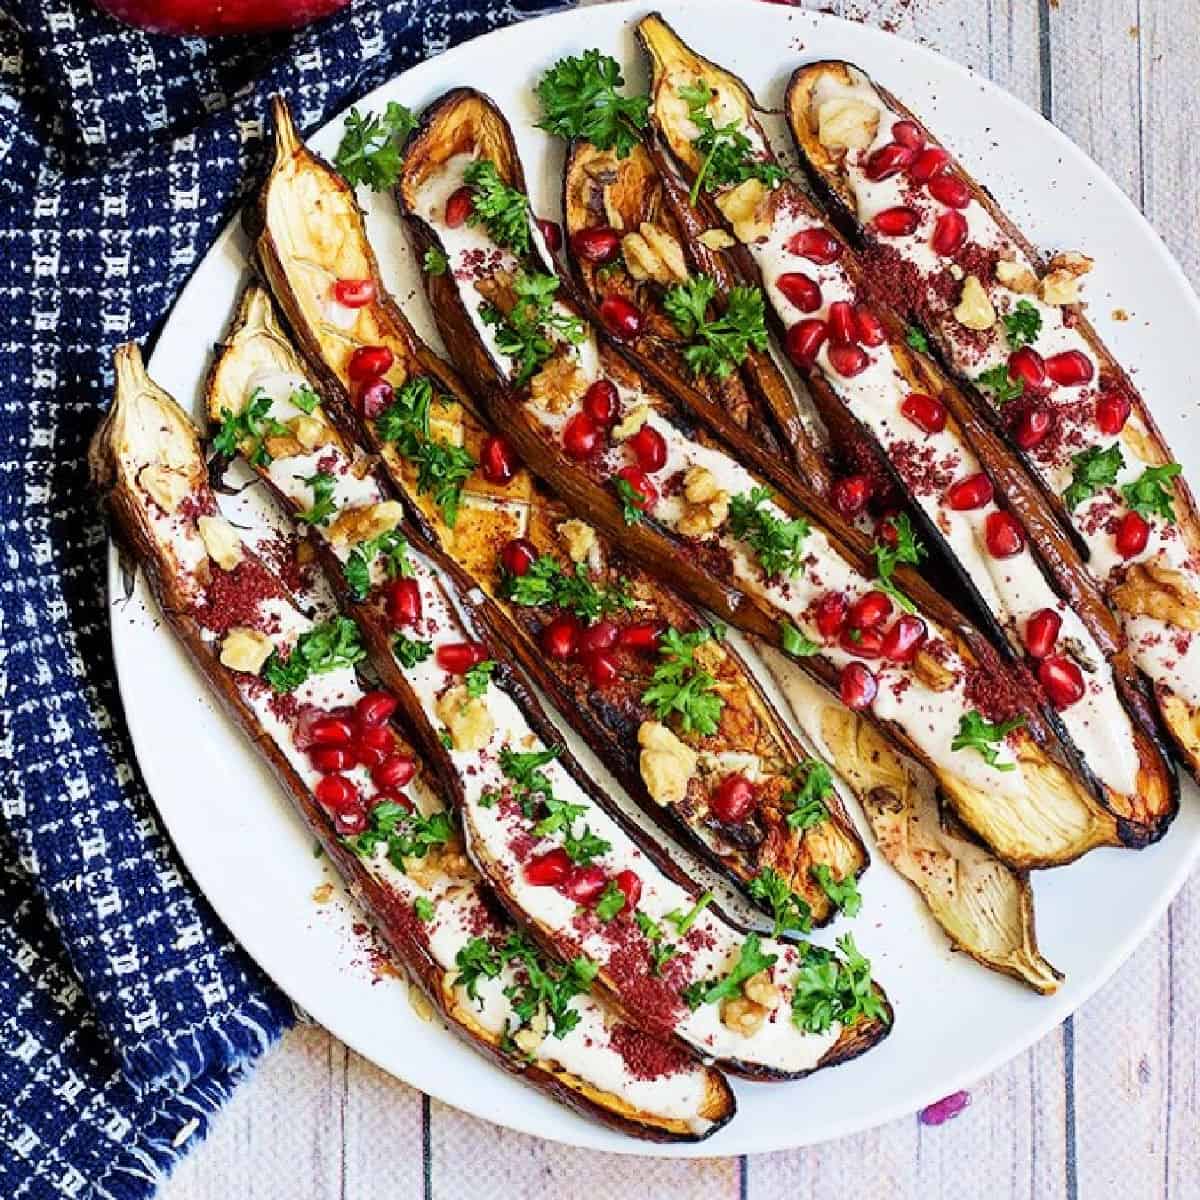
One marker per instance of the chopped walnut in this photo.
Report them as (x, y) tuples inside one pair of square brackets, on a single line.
[(222, 541), (534, 1034), (1015, 276), (743, 1016), (933, 673), (716, 239), (309, 431), (354, 525), (668, 251), (747, 208), (974, 309), (165, 487), (629, 424), (579, 538), (666, 764), (245, 650), (1151, 590), (709, 655), (707, 506), (1060, 284), (322, 893), (844, 123), (558, 385), (497, 290), (282, 445), (761, 990), (466, 717)]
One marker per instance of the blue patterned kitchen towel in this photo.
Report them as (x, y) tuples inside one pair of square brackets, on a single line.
[(127, 1013)]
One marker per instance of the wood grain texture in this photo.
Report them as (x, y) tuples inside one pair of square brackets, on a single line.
[(1108, 1105)]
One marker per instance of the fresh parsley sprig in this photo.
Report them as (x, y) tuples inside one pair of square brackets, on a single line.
[(531, 330), (721, 344), (478, 677), (795, 643), (584, 847), (828, 989), (369, 151), (726, 152), (322, 485), (661, 950), (405, 832), (975, 733), (247, 431), (808, 807), (611, 902), (750, 961), (502, 210), (843, 893), (324, 648), (791, 913), (391, 547), (1001, 384), (410, 651), (1022, 325), (580, 99), (1150, 494), (632, 501), (778, 543), (916, 340), (435, 261), (546, 584), (684, 921), (531, 786), (680, 685), (1092, 470), (908, 549)]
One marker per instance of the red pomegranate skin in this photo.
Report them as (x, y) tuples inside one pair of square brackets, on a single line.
[(215, 18)]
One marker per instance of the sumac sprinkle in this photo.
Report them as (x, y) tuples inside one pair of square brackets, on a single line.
[(647, 1057), (234, 598)]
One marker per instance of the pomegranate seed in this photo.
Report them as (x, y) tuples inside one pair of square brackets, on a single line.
[(369, 362), (350, 820), (974, 491), (732, 800), (374, 709), (560, 638), (896, 222), (817, 245), (600, 402), (620, 317), (394, 772), (631, 887), (1032, 427), (518, 556), (889, 160), (584, 884), (402, 601), (830, 613), (601, 636), (908, 133), (549, 869), (1003, 534), (374, 398), (885, 531), (1062, 679), (848, 361), (799, 290), (1112, 411), (601, 668), (598, 245), (551, 234), (926, 413), (650, 448), (354, 293), (581, 437), (929, 162), (949, 233), (950, 189), (459, 207), (1071, 368), (868, 327), (498, 460), (857, 686), (331, 731), (1133, 533), (641, 636), (870, 610), (850, 495), (862, 643), (1041, 632), (1028, 366), (804, 339), (646, 494), (336, 792), (459, 657), (373, 745), (328, 759), (840, 320), (904, 639)]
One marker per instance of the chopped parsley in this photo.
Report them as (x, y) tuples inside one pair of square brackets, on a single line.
[(583, 848), (1001, 384), (1092, 470), (501, 209), (661, 950), (632, 501), (974, 733), (611, 902), (369, 151), (477, 678), (808, 800), (323, 507), (718, 345), (778, 543), (916, 340), (908, 549), (828, 989), (843, 893), (435, 261), (579, 99), (528, 332), (680, 685), (405, 832), (530, 784), (546, 584), (249, 428), (560, 815), (423, 907), (324, 648), (790, 912), (750, 961), (1022, 325), (305, 399), (1150, 494), (795, 643), (391, 546), (410, 651), (684, 921)]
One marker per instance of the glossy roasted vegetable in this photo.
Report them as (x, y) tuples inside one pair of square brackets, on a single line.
[(1008, 323), (974, 501), (397, 848)]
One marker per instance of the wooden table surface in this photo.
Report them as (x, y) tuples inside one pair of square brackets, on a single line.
[(1106, 1106)]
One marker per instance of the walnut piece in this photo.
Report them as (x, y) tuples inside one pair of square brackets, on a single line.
[(308, 431), (354, 525), (761, 990), (245, 650), (578, 537), (666, 764), (974, 309), (747, 208), (282, 445), (743, 1016), (466, 717), (629, 424), (652, 253), (844, 123), (716, 239), (1015, 276), (222, 541), (932, 672), (707, 506), (1060, 284), (1151, 590), (558, 385), (165, 487), (497, 290)]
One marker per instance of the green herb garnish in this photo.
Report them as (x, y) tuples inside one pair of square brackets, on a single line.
[(1092, 470), (410, 651), (579, 99), (584, 847), (391, 546), (369, 151), (305, 399), (790, 912), (1150, 494), (435, 261), (546, 584), (827, 989), (324, 648), (680, 685), (531, 329), (843, 893), (477, 678), (684, 921), (632, 501), (611, 902), (423, 907), (661, 950), (530, 784), (721, 344), (250, 427), (808, 800), (405, 832), (908, 549), (560, 814), (1001, 384), (501, 209), (323, 507), (750, 961), (1022, 325), (778, 543), (916, 340), (795, 643), (974, 733)]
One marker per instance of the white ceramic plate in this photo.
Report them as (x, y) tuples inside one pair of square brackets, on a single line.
[(955, 1021)]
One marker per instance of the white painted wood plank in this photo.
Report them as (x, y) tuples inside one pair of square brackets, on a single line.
[(1182, 1111)]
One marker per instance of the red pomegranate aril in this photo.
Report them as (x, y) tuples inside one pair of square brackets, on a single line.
[(926, 413), (857, 686), (733, 799), (862, 643), (560, 638), (402, 601), (621, 318), (328, 759), (870, 610), (601, 668), (498, 460), (642, 636), (1133, 532), (600, 402), (369, 362), (646, 494), (601, 636), (1062, 679), (868, 327), (1041, 632), (850, 494), (374, 709), (394, 772), (1112, 411), (459, 207), (830, 613), (904, 639), (581, 437), (336, 792), (950, 189), (307, 718), (848, 361), (331, 731), (800, 290), (354, 293), (908, 133), (804, 339), (459, 657), (551, 234), (973, 491), (373, 745), (1071, 368), (897, 222), (1032, 427), (649, 447), (599, 245), (350, 821), (374, 397), (840, 321), (518, 556), (630, 885), (1029, 367), (949, 233), (549, 869), (929, 162), (817, 245), (889, 160), (1003, 534), (584, 884)]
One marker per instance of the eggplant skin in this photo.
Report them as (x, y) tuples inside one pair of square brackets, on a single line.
[(129, 524)]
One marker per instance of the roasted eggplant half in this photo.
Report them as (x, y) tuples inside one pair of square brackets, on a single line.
[(1008, 323), (394, 843), (783, 567), (596, 632), (554, 847), (975, 504)]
